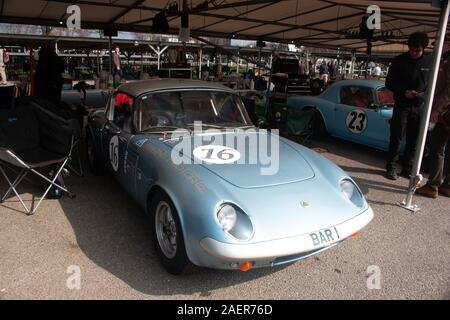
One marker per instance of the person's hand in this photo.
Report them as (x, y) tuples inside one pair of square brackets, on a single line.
[(411, 94), (434, 117)]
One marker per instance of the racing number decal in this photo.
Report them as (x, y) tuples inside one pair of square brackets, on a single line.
[(216, 154), (356, 121), (114, 152)]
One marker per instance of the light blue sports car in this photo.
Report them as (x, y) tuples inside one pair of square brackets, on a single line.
[(354, 110), (220, 193)]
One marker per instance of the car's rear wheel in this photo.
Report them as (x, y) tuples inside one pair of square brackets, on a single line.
[(167, 234), (95, 164)]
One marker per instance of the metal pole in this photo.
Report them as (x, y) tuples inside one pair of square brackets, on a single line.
[(200, 58), (307, 63), (416, 177), (110, 61), (98, 63), (31, 67), (352, 65), (268, 93), (259, 62), (159, 57), (238, 60)]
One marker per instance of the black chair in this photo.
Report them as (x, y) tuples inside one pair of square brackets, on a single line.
[(7, 96), (66, 113), (32, 138), (300, 125)]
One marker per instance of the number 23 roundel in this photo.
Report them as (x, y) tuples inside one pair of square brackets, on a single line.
[(356, 121)]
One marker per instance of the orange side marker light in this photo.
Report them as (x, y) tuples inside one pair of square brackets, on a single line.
[(356, 235), (246, 266)]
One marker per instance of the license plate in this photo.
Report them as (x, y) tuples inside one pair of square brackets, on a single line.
[(324, 237)]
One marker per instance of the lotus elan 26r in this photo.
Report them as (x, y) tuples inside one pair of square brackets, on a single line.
[(220, 192)]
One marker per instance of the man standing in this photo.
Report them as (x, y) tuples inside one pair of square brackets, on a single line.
[(439, 147), (377, 71), (323, 72), (4, 58), (407, 78), (116, 62), (48, 75)]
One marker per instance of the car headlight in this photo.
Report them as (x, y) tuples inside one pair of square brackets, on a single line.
[(227, 217), (234, 221), (352, 193)]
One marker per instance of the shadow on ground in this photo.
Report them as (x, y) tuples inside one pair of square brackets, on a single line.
[(113, 232)]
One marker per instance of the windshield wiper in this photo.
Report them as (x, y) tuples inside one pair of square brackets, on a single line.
[(162, 129), (245, 126), (215, 126)]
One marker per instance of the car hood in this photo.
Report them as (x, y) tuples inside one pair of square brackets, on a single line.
[(282, 164)]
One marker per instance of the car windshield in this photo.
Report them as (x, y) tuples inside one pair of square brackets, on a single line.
[(180, 109)]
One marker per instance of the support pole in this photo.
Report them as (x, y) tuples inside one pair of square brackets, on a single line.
[(259, 62), (98, 63), (158, 52), (307, 63), (426, 112), (238, 61), (200, 58), (31, 67), (159, 58), (110, 62), (352, 65), (268, 92)]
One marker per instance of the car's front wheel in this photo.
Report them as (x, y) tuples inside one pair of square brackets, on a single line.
[(95, 164), (167, 234)]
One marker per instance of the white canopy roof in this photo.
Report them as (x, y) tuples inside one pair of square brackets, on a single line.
[(322, 23)]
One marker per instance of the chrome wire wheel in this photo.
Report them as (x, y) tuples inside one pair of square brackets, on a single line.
[(166, 229)]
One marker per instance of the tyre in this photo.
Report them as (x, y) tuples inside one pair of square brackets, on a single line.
[(94, 161), (319, 129), (316, 86), (167, 234)]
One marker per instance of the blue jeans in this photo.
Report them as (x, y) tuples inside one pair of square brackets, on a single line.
[(438, 155)]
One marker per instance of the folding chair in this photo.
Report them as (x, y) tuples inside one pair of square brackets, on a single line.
[(77, 167), (64, 112), (32, 138), (300, 125)]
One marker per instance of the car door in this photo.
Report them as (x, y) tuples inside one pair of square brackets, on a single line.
[(355, 114), (384, 106), (116, 136)]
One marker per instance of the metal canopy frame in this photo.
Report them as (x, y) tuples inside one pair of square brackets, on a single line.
[(220, 18)]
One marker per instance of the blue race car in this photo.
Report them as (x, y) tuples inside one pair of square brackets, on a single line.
[(187, 153), (354, 110)]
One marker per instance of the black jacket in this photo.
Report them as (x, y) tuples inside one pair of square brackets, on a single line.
[(408, 74)]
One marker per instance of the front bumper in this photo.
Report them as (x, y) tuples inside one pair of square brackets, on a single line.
[(293, 248)]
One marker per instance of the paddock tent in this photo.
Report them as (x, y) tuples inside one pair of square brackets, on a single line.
[(320, 23)]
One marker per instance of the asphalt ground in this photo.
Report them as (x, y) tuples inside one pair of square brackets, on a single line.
[(105, 236)]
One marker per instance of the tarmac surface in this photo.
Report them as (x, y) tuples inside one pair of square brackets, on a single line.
[(105, 236)]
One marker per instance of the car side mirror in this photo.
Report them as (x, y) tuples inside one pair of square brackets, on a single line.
[(111, 129), (261, 123), (375, 107)]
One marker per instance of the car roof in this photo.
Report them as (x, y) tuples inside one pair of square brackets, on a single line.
[(360, 82), (137, 88)]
